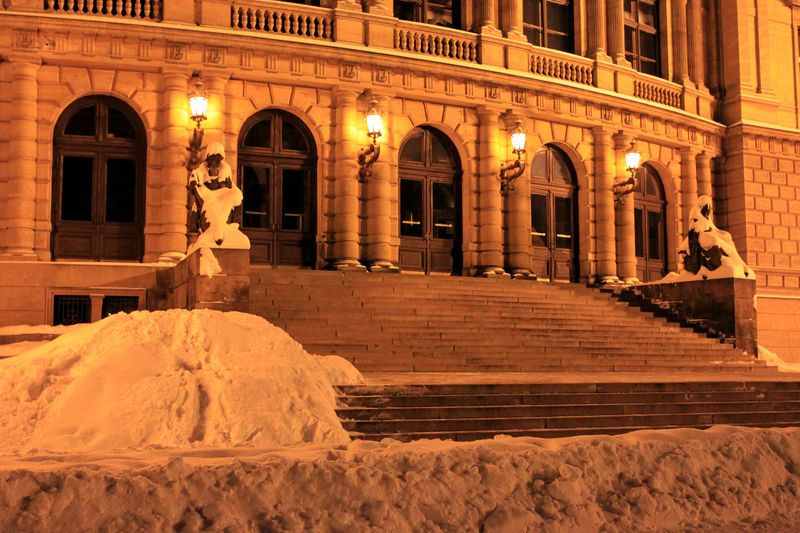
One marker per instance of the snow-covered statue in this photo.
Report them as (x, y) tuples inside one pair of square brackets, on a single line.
[(215, 196), (707, 251)]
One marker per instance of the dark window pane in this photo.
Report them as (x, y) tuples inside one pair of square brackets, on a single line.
[(534, 36), (559, 42), (654, 232), (559, 17), (630, 35), (119, 126), (293, 199), (648, 43), (411, 221), (638, 232), (628, 7), (405, 10), (119, 304), (561, 170), (649, 67), (531, 12), (444, 211), (539, 165), (83, 122), (292, 138), (654, 187), (68, 310), (539, 228), (440, 154), (412, 149), (260, 135), (77, 188), (120, 190), (255, 189), (563, 222)]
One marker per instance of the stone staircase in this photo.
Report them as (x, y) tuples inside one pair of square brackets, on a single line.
[(391, 322), (472, 412)]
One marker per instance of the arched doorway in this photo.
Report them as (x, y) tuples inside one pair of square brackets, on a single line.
[(554, 239), (430, 203), (99, 151), (277, 175), (649, 226)]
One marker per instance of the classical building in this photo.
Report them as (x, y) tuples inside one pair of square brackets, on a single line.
[(94, 124)]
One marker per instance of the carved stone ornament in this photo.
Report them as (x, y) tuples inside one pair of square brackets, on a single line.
[(348, 71), (380, 75), (176, 51), (214, 55)]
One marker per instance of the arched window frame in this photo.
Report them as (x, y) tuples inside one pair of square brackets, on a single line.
[(648, 201)]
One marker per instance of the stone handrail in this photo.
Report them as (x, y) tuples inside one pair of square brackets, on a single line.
[(567, 67), (130, 9), (436, 41), (658, 91), (283, 18)]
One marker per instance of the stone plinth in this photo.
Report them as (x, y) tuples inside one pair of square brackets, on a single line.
[(727, 305), (226, 291)]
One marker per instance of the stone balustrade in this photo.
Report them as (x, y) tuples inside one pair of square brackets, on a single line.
[(658, 91), (436, 41), (567, 67), (131, 9), (283, 18)]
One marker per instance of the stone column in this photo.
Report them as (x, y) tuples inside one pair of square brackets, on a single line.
[(688, 183), (378, 202), (511, 11), (704, 185), (171, 242), (623, 215), (346, 250), (485, 11), (604, 206), (679, 41), (215, 124), (696, 51), (596, 27), (20, 194), (518, 223), (490, 214), (616, 30)]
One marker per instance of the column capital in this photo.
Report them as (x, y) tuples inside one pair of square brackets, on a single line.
[(621, 139)]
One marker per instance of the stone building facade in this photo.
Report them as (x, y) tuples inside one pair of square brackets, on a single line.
[(713, 112)]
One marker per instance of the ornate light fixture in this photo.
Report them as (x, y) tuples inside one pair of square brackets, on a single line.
[(632, 159), (511, 172), (198, 103), (368, 156)]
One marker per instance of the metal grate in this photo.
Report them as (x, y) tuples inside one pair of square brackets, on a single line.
[(119, 304), (71, 309)]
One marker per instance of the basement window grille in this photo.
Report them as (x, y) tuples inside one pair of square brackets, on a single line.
[(119, 304), (71, 309)]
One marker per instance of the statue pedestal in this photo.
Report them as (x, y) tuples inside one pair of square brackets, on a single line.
[(228, 290), (727, 305)]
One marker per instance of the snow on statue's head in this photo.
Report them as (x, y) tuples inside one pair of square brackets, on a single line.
[(215, 153), (706, 206)]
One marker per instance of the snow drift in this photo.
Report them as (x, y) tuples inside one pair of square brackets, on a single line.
[(169, 379), (723, 479)]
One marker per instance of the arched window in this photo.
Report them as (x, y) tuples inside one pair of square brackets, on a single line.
[(99, 149), (430, 203), (549, 23), (445, 13), (642, 47), (277, 175), (553, 225), (649, 226)]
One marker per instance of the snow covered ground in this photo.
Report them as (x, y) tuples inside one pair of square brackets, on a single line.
[(189, 421)]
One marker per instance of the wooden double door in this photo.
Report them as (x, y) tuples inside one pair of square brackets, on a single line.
[(277, 161), (430, 204), (650, 226), (98, 182)]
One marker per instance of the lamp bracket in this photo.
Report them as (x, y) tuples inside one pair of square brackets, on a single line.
[(623, 188), (366, 158), (510, 173)]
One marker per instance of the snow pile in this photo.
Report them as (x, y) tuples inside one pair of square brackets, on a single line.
[(775, 360), (723, 479), (169, 379), (708, 252)]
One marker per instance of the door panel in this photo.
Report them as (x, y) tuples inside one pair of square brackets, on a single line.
[(649, 239), (552, 236)]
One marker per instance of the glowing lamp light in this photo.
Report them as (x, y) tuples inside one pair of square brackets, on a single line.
[(518, 139), (198, 102), (374, 121), (632, 158)]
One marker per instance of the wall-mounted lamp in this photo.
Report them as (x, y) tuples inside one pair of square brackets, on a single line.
[(632, 159), (198, 103), (511, 172), (369, 155)]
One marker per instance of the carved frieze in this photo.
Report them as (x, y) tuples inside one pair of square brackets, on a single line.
[(88, 44), (214, 55), (348, 71), (176, 51), (380, 75), (116, 46)]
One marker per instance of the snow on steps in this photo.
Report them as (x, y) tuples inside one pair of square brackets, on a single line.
[(390, 322), (472, 412)]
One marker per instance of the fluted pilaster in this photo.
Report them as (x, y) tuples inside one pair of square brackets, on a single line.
[(616, 30), (596, 27), (696, 52), (679, 41)]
